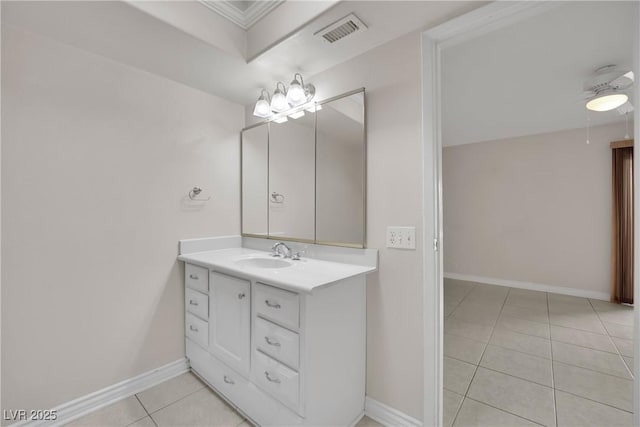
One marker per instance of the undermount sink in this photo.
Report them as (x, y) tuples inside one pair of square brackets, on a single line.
[(263, 263)]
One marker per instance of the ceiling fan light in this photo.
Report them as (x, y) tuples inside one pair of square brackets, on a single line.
[(607, 102)]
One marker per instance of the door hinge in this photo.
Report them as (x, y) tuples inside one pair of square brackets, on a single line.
[(436, 245)]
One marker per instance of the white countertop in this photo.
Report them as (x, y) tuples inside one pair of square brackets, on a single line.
[(303, 276)]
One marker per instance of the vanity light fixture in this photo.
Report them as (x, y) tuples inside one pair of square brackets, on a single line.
[(279, 99), (606, 101), (262, 108), (298, 92), (283, 100)]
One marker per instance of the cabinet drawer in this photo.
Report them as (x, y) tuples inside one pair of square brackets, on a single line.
[(197, 330), (278, 342), (197, 303), (196, 277), (277, 304), (276, 379)]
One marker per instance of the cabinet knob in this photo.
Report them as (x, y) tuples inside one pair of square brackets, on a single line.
[(273, 380), (272, 342), (228, 380), (270, 304), (193, 328), (192, 302), (241, 295), (193, 277)]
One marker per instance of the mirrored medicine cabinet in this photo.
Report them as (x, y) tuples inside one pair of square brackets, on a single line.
[(304, 179)]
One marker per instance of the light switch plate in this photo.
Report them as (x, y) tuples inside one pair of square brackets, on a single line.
[(401, 237)]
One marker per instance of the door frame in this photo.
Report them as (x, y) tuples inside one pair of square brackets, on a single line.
[(480, 21)]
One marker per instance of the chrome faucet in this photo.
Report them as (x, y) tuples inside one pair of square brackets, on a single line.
[(286, 250)]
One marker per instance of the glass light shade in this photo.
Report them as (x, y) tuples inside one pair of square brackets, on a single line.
[(297, 114), (607, 102), (262, 108), (279, 102), (295, 94)]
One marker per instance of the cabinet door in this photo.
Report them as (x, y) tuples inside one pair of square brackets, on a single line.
[(230, 314)]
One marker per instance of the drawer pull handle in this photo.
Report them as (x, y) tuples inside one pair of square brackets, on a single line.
[(241, 295), (192, 302), (273, 380), (228, 380), (270, 304), (193, 328), (193, 277), (272, 342)]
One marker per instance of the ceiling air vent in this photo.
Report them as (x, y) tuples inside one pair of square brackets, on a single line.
[(341, 28)]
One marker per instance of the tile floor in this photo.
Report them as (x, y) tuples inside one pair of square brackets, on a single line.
[(181, 401), (512, 358), (515, 357)]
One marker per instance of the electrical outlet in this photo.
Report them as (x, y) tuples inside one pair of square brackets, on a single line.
[(401, 237)]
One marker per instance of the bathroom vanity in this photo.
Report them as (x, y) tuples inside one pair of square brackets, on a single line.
[(282, 340)]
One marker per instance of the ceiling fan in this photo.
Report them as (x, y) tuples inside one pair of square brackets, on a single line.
[(605, 91)]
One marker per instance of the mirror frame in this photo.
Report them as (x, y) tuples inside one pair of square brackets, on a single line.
[(267, 122)]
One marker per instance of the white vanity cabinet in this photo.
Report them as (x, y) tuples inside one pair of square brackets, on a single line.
[(280, 357)]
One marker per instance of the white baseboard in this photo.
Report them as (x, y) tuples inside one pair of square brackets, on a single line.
[(531, 286), (83, 405), (388, 416)]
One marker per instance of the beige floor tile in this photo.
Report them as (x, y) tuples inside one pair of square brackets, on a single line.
[(620, 331), (451, 404), (525, 366), (457, 375), (476, 414), (603, 388), (366, 422), (625, 347), (531, 314), (449, 308), (514, 395), (523, 326), (525, 298), (521, 342), (596, 360), (169, 391), (145, 422), (122, 413), (629, 362), (614, 313), (559, 299), (477, 312), (582, 338), (574, 411), (462, 348), (202, 408), (584, 322), (476, 331)]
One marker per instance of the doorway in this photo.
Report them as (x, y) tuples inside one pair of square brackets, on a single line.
[(502, 302)]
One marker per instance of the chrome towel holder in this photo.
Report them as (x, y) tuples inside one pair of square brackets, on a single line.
[(193, 195)]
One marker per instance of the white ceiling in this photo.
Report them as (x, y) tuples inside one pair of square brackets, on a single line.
[(187, 42), (526, 78)]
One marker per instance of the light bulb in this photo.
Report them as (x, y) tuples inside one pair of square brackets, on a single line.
[(296, 95), (262, 109), (279, 102)]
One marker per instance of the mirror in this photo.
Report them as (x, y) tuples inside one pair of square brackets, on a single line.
[(340, 175), (255, 167), (305, 179), (292, 178)]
